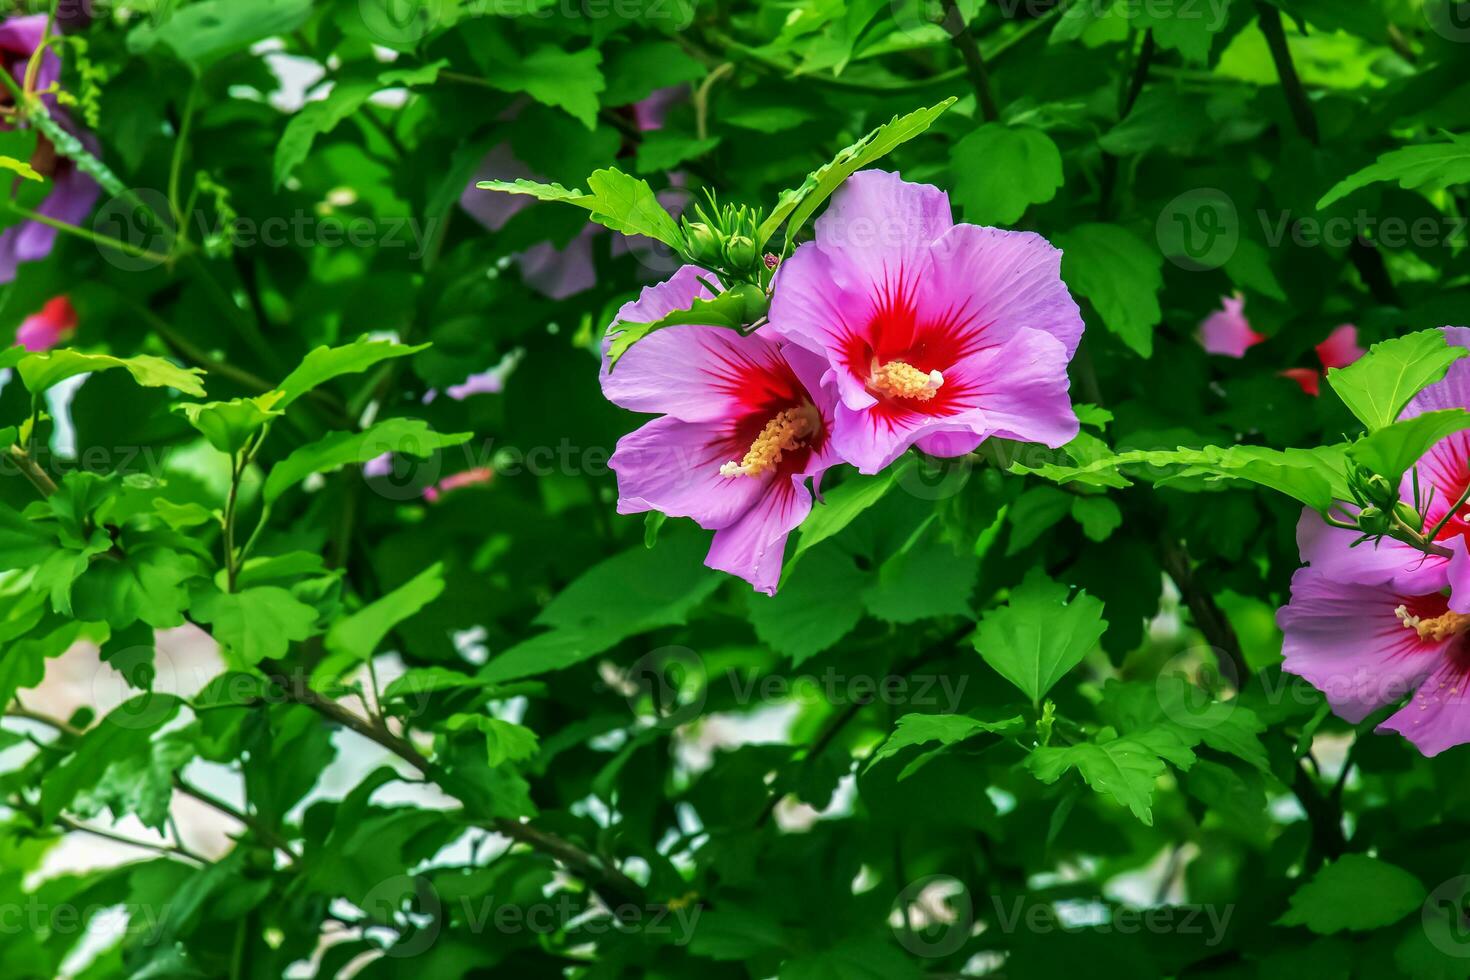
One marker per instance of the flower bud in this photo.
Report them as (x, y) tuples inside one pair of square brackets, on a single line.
[(740, 252), (1409, 515), (1371, 520), (702, 243), (1380, 491), (754, 303)]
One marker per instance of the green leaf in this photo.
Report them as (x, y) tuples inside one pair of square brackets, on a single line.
[(504, 742), (1123, 769), (23, 542), (726, 310), (813, 608), (1184, 26), (551, 76), (325, 363), (230, 425), (919, 729), (1357, 893), (541, 192), (800, 203), (1394, 448), (1121, 275), (1039, 635), (42, 371), (1313, 476), (123, 738), (202, 33), (20, 167), (1000, 171), (630, 593), (357, 636), (1378, 385), (627, 204), (396, 435), (257, 624), (841, 506), (1428, 165), (348, 96), (147, 584), (1034, 513), (661, 151), (23, 663), (1099, 516)]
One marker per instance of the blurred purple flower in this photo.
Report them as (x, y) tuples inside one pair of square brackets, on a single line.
[(72, 192)]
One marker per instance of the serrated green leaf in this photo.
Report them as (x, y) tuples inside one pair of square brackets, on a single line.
[(397, 435), (42, 371), (800, 203), (1040, 634), (1356, 893), (1428, 165), (1378, 385), (325, 363)]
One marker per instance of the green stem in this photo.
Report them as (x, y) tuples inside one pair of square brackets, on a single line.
[(176, 166), (1291, 83), (237, 469), (964, 41), (88, 234)]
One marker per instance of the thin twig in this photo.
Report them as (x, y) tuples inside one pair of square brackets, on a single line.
[(959, 32), (1291, 83)]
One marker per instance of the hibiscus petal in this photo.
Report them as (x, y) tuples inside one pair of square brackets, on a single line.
[(813, 306), (990, 283), (1330, 552), (1227, 332), (1438, 716), (1347, 641), (883, 223), (1341, 347), (1451, 391), (754, 547), (694, 373), (1020, 388), (674, 467)]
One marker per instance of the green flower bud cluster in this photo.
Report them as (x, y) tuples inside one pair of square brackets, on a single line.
[(724, 238)]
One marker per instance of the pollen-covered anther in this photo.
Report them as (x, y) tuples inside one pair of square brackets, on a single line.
[(786, 431), (898, 379), (1436, 628)]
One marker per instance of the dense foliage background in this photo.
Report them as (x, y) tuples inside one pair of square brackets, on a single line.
[(464, 719)]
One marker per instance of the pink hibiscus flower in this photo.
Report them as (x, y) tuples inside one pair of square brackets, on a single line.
[(53, 325), (744, 423), (934, 333), (1340, 349), (1368, 624), (1226, 331)]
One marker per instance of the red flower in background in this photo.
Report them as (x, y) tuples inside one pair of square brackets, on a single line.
[(53, 325)]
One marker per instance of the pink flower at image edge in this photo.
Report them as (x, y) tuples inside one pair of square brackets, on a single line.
[(1370, 624)]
